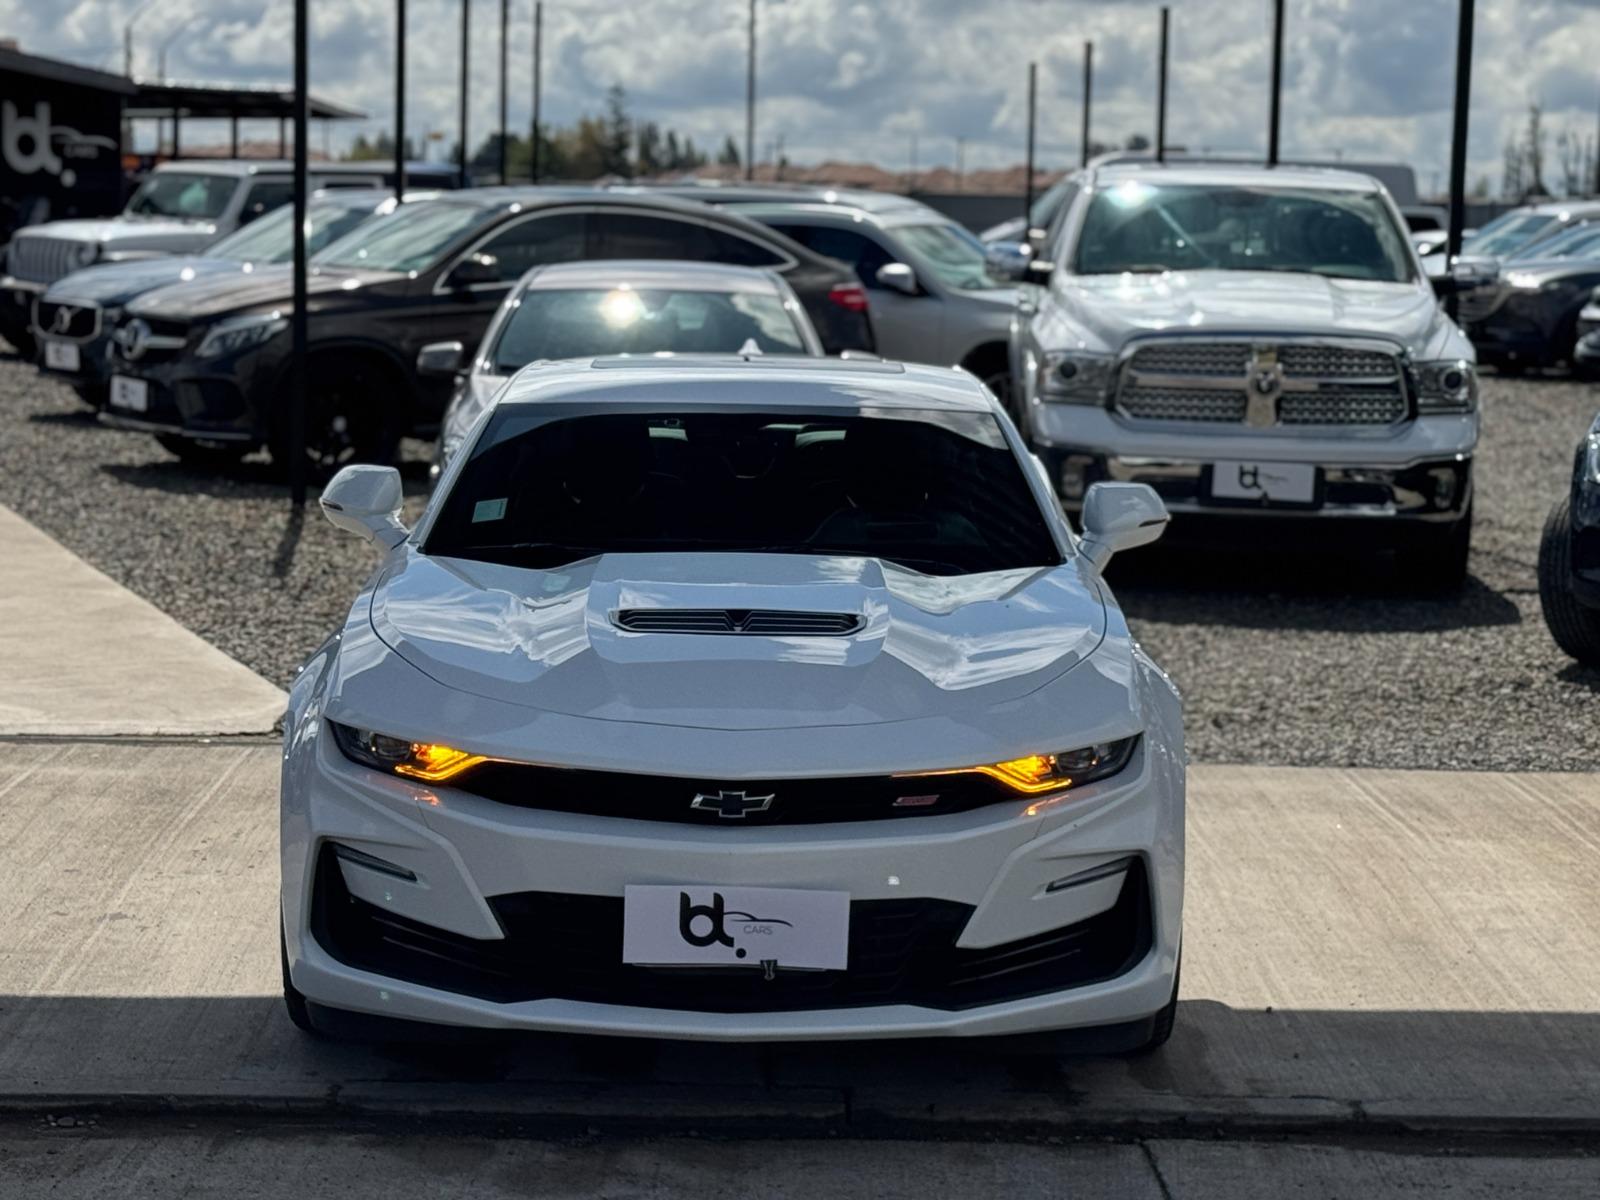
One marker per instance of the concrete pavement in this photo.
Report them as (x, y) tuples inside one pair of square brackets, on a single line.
[(1363, 950), (83, 655)]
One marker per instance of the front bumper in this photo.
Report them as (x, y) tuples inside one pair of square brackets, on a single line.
[(980, 880), (185, 399)]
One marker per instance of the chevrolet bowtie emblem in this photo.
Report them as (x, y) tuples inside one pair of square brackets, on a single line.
[(732, 806)]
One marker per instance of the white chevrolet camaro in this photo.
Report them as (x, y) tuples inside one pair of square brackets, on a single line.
[(742, 699)]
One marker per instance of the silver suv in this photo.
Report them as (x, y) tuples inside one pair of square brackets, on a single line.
[(1259, 345)]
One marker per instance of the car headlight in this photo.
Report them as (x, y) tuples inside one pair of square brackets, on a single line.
[(1035, 774), (240, 333), (1075, 377), (1591, 459), (1450, 386), (428, 761)]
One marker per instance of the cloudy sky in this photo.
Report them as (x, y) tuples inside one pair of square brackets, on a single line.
[(1365, 79)]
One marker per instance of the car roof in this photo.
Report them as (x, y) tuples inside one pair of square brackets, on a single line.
[(912, 213), (284, 166), (652, 273), (1254, 174), (1557, 208), (715, 192), (781, 380)]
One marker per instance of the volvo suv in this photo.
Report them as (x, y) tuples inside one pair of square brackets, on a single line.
[(1262, 347)]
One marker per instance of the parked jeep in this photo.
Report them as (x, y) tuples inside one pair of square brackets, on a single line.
[(1260, 345), (1569, 558)]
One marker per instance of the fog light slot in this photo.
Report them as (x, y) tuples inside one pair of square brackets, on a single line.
[(373, 863), (1103, 871)]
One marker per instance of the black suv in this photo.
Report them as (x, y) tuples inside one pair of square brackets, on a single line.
[(1569, 558), (203, 364)]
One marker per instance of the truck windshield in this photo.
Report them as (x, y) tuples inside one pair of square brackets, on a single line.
[(271, 238), (410, 240), (187, 197), (1142, 227), (937, 492)]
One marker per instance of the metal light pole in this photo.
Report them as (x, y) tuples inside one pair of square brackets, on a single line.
[(127, 37), (1027, 187), (1275, 112), (1088, 99), (297, 324), (1161, 88), (161, 56), (461, 149), (538, 64), (750, 101), (1458, 139), (505, 20), (399, 99)]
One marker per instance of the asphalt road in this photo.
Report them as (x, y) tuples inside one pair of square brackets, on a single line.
[(1283, 659)]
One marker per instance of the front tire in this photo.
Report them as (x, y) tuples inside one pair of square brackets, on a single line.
[(353, 415), (1575, 626)]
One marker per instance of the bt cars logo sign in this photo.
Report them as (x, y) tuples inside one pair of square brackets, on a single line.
[(714, 929), (28, 144)]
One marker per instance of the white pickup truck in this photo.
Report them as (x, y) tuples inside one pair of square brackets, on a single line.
[(1262, 346)]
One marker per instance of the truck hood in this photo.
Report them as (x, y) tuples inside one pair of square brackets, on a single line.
[(224, 293), (116, 283), (1116, 307), (929, 646), (118, 234)]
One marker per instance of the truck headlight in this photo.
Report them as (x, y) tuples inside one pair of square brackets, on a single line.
[(1075, 377), (1450, 386), (240, 333), (87, 253)]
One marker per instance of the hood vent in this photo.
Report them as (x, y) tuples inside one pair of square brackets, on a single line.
[(761, 622)]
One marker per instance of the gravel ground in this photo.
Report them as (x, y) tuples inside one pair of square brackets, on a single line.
[(1282, 659)]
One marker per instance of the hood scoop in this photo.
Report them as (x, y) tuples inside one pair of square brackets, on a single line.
[(758, 622)]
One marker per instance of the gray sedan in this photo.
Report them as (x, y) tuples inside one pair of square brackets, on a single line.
[(592, 309)]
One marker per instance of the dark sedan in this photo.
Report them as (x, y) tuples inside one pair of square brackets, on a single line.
[(1529, 315), (73, 320), (207, 361), (1569, 558)]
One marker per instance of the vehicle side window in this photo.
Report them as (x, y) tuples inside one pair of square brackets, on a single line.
[(631, 235), (860, 253), (266, 195), (741, 251), (1052, 236), (536, 242)]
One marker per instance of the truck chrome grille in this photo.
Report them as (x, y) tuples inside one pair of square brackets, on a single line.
[(1263, 384), (42, 259)]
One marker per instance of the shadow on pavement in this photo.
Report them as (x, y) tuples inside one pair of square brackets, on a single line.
[(254, 477)]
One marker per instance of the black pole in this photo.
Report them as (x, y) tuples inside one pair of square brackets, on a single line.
[(1088, 99), (461, 149), (1027, 187), (1161, 89), (1458, 139), (233, 135), (750, 101), (1275, 112), (399, 99), (505, 20), (538, 65), (297, 324), (176, 116)]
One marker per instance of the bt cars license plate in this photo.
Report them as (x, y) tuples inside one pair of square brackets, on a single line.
[(705, 926), (1288, 483), (61, 356), (131, 394)]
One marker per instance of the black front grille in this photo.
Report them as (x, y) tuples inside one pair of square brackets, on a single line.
[(559, 946), (706, 801), (757, 622)]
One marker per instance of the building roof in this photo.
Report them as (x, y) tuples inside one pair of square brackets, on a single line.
[(54, 69), (159, 99)]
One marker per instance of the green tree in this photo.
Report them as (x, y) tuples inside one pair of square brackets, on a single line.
[(729, 155)]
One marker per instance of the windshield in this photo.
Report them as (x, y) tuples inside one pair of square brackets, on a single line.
[(187, 197), (953, 256), (1143, 227), (1580, 242), (581, 323), (412, 239), (270, 239), (1507, 234), (937, 492)]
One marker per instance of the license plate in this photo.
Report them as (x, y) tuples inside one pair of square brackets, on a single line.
[(61, 356), (702, 926), (1290, 483), (131, 394)]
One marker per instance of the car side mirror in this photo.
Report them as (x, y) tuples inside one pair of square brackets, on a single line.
[(440, 358), (474, 270), (901, 278), (1008, 260), (1120, 516), (366, 500)]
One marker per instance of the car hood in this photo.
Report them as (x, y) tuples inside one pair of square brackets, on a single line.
[(1116, 307), (269, 285), (929, 646), (122, 233), (117, 283)]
